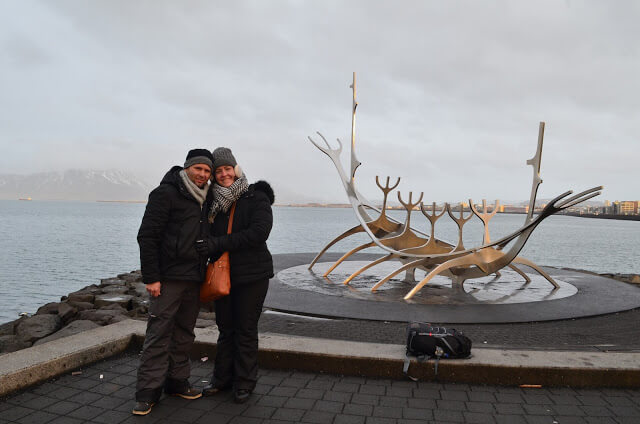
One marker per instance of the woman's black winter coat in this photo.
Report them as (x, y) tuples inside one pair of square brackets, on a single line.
[(247, 244), (173, 220)]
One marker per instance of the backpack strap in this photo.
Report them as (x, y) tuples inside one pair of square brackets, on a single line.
[(419, 358), (405, 368), (444, 340)]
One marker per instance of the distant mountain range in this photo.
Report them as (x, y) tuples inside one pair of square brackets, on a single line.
[(114, 185), (75, 184)]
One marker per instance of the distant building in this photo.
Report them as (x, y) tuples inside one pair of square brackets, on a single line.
[(514, 209), (626, 207), (629, 207)]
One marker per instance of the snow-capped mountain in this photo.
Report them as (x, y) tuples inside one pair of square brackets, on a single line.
[(75, 184)]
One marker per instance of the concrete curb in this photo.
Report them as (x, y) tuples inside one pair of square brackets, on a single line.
[(39, 363), (486, 366), (24, 368)]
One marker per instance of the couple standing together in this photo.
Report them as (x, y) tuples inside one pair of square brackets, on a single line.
[(183, 228)]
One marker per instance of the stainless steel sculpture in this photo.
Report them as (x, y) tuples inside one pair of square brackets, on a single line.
[(418, 250)]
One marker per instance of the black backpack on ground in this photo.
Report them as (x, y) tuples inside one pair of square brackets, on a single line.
[(425, 341)]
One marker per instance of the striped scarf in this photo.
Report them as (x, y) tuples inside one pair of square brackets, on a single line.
[(223, 197)]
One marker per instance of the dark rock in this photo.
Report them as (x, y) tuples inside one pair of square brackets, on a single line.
[(38, 326), (203, 323), (123, 300), (140, 311), (112, 282), (49, 308), (11, 343), (115, 289), (113, 307), (91, 289), (139, 301), (66, 312), (121, 313), (102, 317), (140, 289), (118, 318), (131, 277), (9, 328), (81, 306), (74, 328), (81, 297)]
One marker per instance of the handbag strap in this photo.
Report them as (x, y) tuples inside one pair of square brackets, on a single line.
[(233, 209)]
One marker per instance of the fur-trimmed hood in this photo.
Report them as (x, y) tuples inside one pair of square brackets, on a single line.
[(265, 187)]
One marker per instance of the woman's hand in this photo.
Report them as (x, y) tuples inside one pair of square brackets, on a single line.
[(207, 247), (202, 247)]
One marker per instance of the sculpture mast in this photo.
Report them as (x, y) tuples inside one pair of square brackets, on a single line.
[(535, 164), (355, 163)]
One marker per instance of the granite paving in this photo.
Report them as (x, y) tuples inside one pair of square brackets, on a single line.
[(103, 393)]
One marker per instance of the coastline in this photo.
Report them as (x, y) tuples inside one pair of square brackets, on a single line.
[(391, 208), (121, 201), (347, 206), (605, 216), (114, 300)]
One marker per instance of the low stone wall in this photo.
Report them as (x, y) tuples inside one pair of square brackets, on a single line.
[(113, 300)]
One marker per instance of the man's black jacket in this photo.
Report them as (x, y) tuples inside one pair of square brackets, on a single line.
[(247, 244), (172, 222)]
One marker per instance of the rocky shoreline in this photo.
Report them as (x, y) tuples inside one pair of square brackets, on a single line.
[(113, 300)]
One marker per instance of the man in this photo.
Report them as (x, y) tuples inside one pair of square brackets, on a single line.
[(174, 219)]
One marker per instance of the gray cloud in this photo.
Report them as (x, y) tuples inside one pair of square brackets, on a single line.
[(450, 93)]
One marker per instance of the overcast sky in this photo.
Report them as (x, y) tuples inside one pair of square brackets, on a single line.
[(450, 93)]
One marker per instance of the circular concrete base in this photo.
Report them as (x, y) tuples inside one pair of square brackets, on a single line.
[(507, 299)]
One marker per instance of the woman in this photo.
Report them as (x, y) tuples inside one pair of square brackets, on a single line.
[(237, 314)]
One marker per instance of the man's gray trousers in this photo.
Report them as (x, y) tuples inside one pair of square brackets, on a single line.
[(165, 353)]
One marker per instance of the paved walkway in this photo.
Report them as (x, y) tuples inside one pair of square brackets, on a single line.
[(103, 393)]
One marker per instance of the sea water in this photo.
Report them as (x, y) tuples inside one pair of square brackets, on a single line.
[(49, 249)]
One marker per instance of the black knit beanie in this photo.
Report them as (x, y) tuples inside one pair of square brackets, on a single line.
[(199, 156)]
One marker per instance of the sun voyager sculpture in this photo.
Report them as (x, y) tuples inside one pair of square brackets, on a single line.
[(417, 250)]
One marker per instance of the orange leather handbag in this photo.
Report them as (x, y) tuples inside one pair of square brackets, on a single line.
[(217, 282)]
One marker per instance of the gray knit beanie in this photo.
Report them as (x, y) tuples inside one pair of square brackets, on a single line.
[(199, 156), (223, 156)]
